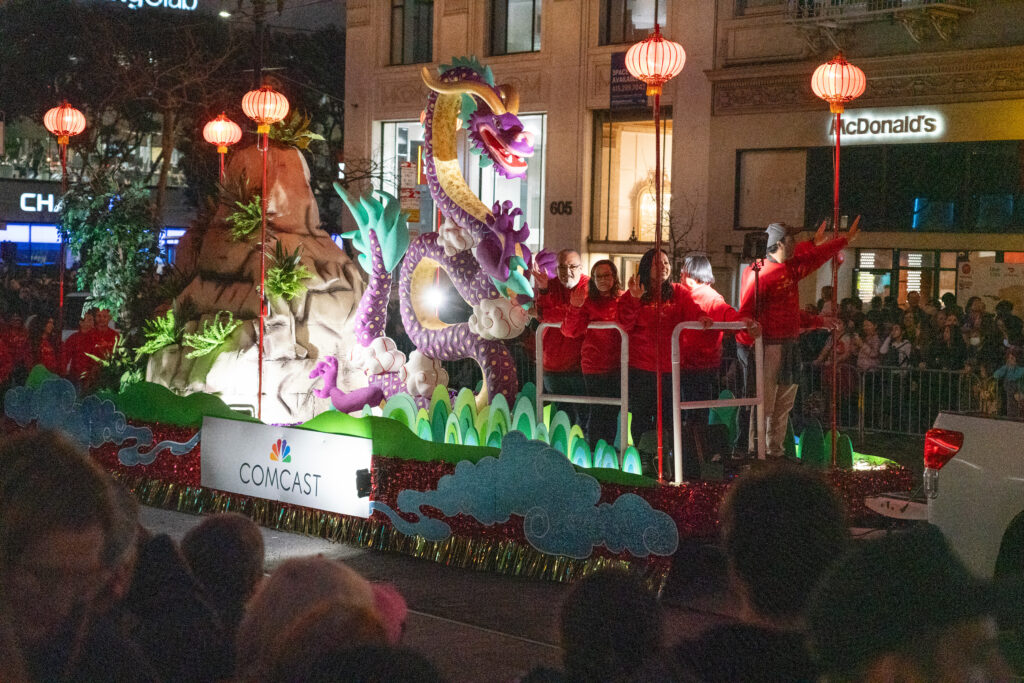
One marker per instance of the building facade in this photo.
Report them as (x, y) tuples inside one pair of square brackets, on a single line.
[(932, 153)]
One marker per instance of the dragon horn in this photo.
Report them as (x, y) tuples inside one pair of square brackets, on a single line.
[(481, 90), (510, 96)]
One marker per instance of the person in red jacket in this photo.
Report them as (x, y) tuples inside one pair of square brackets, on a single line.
[(650, 324), (43, 343), (74, 361), (561, 354), (700, 357), (16, 339), (103, 336), (777, 308), (600, 353)]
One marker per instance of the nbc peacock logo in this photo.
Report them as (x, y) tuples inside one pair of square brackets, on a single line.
[(281, 451)]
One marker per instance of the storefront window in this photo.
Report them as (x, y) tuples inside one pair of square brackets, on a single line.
[(624, 207), (402, 141), (972, 187), (628, 21)]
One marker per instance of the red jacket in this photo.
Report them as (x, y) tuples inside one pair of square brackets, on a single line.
[(641, 319), (46, 355), (780, 315), (6, 364), (600, 347), (702, 349), (73, 352), (103, 340), (561, 353), (16, 341)]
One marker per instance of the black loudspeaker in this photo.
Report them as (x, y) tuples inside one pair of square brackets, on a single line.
[(755, 245), (363, 483)]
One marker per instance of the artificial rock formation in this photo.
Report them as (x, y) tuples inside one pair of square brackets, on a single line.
[(226, 276)]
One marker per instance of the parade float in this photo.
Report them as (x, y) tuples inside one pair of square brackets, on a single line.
[(360, 443)]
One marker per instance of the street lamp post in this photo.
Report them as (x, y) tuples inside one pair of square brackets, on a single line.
[(837, 82)]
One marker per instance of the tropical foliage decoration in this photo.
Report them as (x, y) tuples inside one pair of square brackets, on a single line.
[(294, 130), (160, 332), (284, 278), (245, 220), (212, 334), (118, 368)]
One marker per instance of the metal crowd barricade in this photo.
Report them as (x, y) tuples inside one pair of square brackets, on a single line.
[(677, 417), (622, 401)]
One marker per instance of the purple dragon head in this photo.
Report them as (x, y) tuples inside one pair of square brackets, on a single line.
[(502, 139)]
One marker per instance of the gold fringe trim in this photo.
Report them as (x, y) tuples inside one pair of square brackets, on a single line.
[(502, 557)]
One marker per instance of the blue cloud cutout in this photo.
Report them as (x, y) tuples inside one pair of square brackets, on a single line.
[(559, 506), (90, 422)]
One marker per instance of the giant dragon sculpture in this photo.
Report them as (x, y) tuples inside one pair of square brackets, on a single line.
[(482, 250)]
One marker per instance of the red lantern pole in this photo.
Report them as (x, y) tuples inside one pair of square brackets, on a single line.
[(657, 259), (655, 61), (222, 132), (837, 82), (264, 106), (263, 272), (63, 121), (835, 296)]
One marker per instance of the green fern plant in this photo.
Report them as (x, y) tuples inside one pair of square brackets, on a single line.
[(284, 278), (118, 368), (212, 335), (246, 218), (160, 332), (294, 131)]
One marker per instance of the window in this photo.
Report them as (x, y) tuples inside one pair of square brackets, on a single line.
[(628, 21), (623, 192), (402, 141), (412, 31), (971, 187), (515, 26)]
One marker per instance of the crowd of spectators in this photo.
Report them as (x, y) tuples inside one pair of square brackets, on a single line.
[(90, 594), (975, 352), (30, 332)]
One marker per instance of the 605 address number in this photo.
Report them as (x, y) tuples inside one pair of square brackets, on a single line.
[(560, 208)]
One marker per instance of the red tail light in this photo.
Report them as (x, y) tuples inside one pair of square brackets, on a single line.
[(940, 445)]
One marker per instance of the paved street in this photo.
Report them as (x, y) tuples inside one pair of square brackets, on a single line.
[(474, 626)]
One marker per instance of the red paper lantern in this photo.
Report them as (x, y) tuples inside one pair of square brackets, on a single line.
[(265, 106), (64, 121), (838, 82), (655, 60), (222, 132)]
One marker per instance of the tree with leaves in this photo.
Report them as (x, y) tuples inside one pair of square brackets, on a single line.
[(109, 228)]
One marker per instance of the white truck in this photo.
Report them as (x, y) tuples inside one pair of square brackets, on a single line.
[(974, 486)]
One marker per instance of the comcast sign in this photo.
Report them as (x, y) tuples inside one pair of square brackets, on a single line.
[(186, 5), (863, 126)]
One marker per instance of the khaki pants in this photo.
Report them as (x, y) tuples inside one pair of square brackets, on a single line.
[(778, 403)]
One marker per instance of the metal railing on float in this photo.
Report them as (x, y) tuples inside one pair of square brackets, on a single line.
[(679, 405), (622, 401)]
